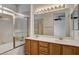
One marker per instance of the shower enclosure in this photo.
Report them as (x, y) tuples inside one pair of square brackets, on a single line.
[(20, 30), (6, 32), (13, 30)]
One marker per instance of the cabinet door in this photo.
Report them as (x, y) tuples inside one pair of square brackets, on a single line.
[(27, 46), (68, 50), (55, 49), (43, 51), (43, 44), (43, 48), (77, 51), (34, 47)]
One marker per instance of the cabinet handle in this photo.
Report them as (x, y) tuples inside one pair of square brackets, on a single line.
[(43, 52)]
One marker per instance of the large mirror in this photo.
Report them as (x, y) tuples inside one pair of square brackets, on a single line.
[(52, 24), (56, 23), (43, 24)]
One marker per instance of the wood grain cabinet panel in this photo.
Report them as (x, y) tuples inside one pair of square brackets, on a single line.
[(43, 48), (77, 51), (27, 47), (54, 49), (68, 50), (34, 47), (43, 44)]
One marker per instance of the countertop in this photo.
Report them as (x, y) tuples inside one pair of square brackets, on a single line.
[(65, 41)]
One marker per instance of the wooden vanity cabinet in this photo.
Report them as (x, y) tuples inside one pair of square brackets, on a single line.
[(27, 47), (77, 50), (33, 47), (68, 50), (43, 48), (55, 49)]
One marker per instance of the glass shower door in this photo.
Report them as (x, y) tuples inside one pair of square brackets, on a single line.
[(6, 33), (20, 28)]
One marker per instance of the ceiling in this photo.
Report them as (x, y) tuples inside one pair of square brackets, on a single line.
[(20, 8)]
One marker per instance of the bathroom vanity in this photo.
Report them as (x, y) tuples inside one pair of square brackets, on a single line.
[(36, 46)]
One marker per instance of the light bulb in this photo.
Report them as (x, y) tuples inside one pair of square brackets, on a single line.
[(45, 9), (48, 9), (62, 5), (39, 9), (52, 8), (59, 6), (56, 6)]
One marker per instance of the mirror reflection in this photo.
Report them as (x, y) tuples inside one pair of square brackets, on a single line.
[(75, 23), (59, 24), (20, 28), (52, 24), (43, 24)]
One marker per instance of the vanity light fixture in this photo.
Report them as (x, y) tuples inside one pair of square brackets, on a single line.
[(52, 8), (45, 9), (48, 9)]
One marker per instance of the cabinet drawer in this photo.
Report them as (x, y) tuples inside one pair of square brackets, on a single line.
[(43, 53), (43, 49), (43, 44)]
